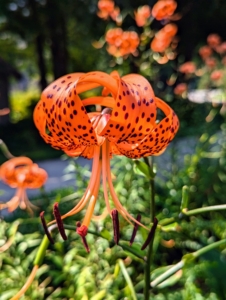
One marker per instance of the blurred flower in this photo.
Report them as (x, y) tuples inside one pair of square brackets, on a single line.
[(211, 62), (163, 38), (180, 89), (4, 111), (121, 42), (213, 40), (163, 9), (126, 126), (221, 48), (107, 9), (142, 15), (216, 75), (205, 52), (187, 68), (21, 173)]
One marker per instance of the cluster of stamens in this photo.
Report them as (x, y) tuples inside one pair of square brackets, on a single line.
[(116, 228)]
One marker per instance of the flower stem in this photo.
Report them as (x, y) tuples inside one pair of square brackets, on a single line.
[(186, 259), (147, 271), (204, 209)]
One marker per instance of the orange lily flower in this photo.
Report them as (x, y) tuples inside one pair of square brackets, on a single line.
[(163, 38), (205, 52), (187, 68), (163, 9), (21, 173), (142, 14), (216, 75), (180, 89), (213, 40), (107, 9), (126, 126), (121, 43)]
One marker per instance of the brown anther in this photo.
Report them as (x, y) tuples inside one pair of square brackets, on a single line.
[(78, 224), (46, 228), (135, 230), (59, 221), (115, 220), (150, 235)]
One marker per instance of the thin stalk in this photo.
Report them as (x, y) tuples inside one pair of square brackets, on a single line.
[(204, 209), (128, 279), (186, 258), (147, 271)]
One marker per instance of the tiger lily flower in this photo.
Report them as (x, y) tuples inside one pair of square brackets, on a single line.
[(126, 126), (21, 173)]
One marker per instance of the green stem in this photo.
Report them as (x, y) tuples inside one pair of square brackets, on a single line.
[(5, 150), (208, 248), (147, 271), (168, 273), (186, 259), (121, 244), (204, 209), (192, 213)]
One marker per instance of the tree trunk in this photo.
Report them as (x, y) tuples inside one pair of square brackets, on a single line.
[(58, 36)]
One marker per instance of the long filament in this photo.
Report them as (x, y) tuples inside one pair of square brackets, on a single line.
[(27, 284), (85, 198), (115, 199), (104, 176), (93, 198)]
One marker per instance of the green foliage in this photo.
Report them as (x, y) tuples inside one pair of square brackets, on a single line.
[(68, 272)]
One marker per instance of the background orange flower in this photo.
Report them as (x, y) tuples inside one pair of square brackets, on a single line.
[(163, 9), (142, 14)]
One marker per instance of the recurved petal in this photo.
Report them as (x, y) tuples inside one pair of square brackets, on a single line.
[(159, 137), (134, 112), (7, 169), (61, 116)]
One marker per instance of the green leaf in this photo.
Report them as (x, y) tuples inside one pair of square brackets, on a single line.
[(141, 168)]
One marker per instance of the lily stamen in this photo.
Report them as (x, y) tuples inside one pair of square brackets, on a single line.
[(115, 220), (59, 221), (135, 228), (150, 235), (78, 224), (45, 227)]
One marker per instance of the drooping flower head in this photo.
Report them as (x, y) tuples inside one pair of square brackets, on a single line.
[(126, 126), (21, 173)]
